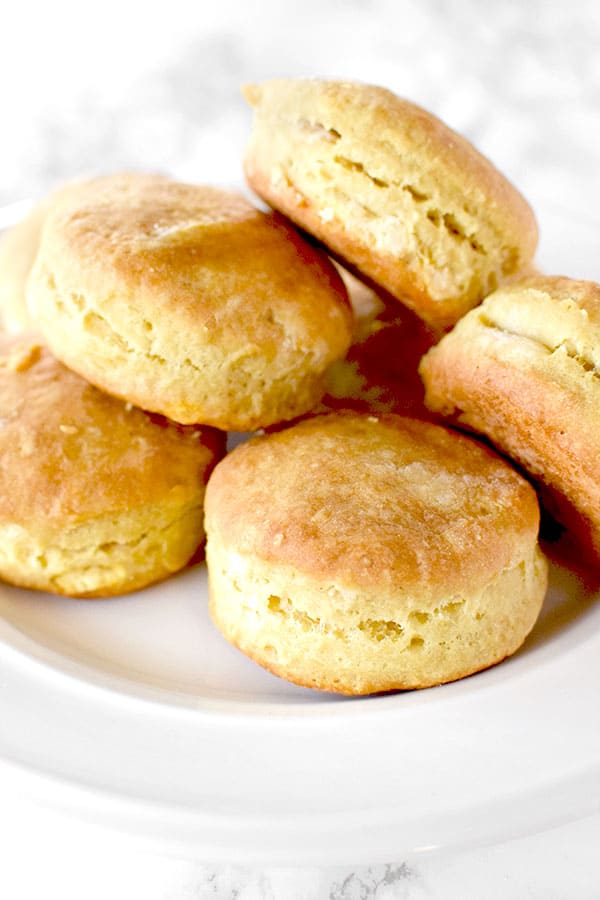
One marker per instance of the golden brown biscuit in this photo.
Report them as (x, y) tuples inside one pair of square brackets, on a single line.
[(355, 554), (522, 369), (188, 301), (389, 189), (96, 497)]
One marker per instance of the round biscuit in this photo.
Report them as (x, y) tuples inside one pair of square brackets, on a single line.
[(188, 301), (96, 497), (359, 554)]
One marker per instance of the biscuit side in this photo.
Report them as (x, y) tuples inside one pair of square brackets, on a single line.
[(325, 636), (391, 190), (106, 556)]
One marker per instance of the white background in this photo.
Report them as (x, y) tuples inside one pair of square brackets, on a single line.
[(92, 88)]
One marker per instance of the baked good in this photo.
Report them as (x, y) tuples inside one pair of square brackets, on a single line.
[(96, 497), (188, 301), (390, 190), (379, 374), (359, 554), (522, 369)]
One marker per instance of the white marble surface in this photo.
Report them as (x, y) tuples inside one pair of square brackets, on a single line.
[(156, 86)]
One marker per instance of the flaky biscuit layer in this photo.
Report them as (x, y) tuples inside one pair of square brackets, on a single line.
[(389, 189)]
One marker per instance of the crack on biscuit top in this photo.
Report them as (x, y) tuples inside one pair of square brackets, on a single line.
[(564, 346)]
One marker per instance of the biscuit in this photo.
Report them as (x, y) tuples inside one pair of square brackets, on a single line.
[(355, 554), (189, 302), (96, 497), (523, 369), (390, 190)]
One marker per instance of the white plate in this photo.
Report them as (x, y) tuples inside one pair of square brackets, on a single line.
[(136, 715)]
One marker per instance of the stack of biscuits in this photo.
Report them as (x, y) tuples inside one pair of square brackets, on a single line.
[(357, 543)]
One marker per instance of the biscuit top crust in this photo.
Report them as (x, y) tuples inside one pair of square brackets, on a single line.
[(70, 453), (161, 258), (359, 501), (19, 245), (559, 313), (545, 326)]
